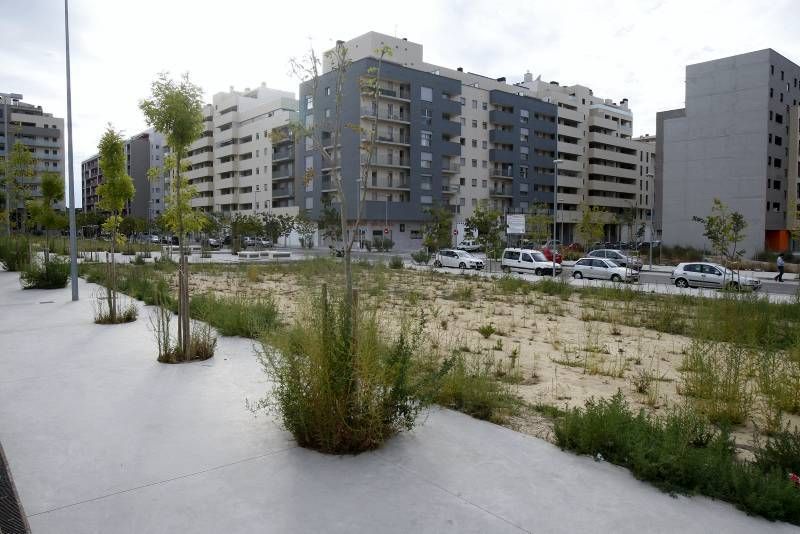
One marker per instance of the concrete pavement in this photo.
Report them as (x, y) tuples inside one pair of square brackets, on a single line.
[(100, 438)]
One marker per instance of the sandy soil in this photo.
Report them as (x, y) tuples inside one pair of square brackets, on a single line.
[(557, 355)]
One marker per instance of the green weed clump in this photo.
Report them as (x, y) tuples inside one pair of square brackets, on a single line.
[(421, 257), (395, 262), (679, 452), (559, 288), (486, 330), (14, 253), (509, 285), (343, 384), (237, 315), (53, 274)]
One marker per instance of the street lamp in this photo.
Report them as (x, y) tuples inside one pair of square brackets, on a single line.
[(73, 242), (649, 176), (555, 212)]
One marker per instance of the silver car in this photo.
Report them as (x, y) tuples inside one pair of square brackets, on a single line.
[(604, 270), (713, 275), (619, 257)]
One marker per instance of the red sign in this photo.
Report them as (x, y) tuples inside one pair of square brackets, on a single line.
[(455, 232), (386, 231)]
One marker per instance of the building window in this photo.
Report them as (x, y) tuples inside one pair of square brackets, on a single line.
[(426, 199), (327, 91), (309, 102), (778, 140), (484, 164), (462, 201), (474, 182), (523, 171), (425, 183), (524, 116), (484, 145), (425, 138), (777, 163), (463, 121), (484, 106), (484, 184), (523, 153), (309, 203), (426, 94), (484, 125), (475, 163), (309, 163), (524, 134), (474, 202), (474, 104), (474, 143), (402, 227), (327, 113), (462, 161), (523, 189), (425, 160), (474, 123)]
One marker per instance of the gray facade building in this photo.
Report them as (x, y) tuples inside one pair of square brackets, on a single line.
[(40, 132), (731, 142), (143, 152), (443, 137)]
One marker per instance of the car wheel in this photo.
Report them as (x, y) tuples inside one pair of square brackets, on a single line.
[(616, 278), (462, 265), (682, 283), (506, 269), (577, 274), (437, 263), (538, 272)]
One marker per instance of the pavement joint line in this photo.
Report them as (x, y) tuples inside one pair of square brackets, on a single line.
[(165, 481), (457, 496)]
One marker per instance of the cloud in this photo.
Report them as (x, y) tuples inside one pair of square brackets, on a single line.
[(619, 48)]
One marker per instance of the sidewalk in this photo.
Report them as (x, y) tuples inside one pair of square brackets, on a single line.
[(101, 438)]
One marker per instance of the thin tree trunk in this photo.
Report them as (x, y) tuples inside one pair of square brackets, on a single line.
[(183, 273), (111, 292)]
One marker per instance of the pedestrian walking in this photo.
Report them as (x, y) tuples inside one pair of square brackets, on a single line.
[(780, 264)]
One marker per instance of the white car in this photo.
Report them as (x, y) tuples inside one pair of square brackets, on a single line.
[(704, 274), (469, 245), (457, 258), (527, 261), (603, 269)]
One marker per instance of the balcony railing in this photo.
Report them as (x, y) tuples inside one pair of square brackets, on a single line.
[(384, 115), (386, 161), (397, 139), (500, 192), (502, 173), (451, 167), (283, 154)]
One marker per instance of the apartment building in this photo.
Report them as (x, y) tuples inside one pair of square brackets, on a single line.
[(736, 140), (647, 203), (143, 151), (235, 166), (602, 165), (444, 137), (40, 132)]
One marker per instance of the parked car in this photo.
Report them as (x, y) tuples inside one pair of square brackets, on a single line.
[(469, 245), (547, 251), (603, 269), (154, 239), (264, 242), (527, 261), (704, 274), (211, 242), (457, 258), (619, 257), (248, 241)]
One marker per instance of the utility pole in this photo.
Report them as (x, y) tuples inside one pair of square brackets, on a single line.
[(555, 212), (652, 229), (73, 241)]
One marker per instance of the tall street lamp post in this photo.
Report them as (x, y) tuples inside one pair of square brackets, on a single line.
[(556, 163), (73, 242)]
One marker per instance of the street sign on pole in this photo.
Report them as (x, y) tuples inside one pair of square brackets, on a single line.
[(386, 231), (515, 224)]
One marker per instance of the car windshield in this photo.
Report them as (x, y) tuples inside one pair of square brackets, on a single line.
[(538, 256)]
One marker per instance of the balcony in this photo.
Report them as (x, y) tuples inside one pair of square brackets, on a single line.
[(403, 94), (450, 149), (369, 113), (451, 167), (450, 189), (502, 117), (506, 173), (282, 173), (606, 170), (402, 186), (451, 107), (450, 128), (282, 155), (505, 137), (569, 114), (387, 139), (386, 161), (612, 155), (501, 193), (282, 192), (327, 186), (609, 202), (496, 154), (618, 187)]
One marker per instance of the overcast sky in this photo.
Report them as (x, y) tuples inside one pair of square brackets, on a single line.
[(620, 48)]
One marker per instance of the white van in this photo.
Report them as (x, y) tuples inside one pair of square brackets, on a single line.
[(527, 261)]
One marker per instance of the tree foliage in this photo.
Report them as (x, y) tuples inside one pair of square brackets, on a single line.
[(486, 226), (42, 210), (590, 228), (538, 223), (438, 231), (725, 229), (17, 170)]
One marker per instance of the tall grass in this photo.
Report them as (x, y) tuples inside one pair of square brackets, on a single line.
[(53, 274), (679, 452), (14, 252), (236, 315)]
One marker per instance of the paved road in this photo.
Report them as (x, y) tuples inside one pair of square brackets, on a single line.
[(768, 286)]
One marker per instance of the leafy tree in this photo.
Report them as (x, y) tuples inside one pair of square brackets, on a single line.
[(17, 170), (590, 228), (287, 224), (538, 223), (114, 193), (42, 210), (725, 230), (244, 225), (273, 227), (329, 223), (488, 225), (305, 228), (176, 110), (438, 232), (628, 220)]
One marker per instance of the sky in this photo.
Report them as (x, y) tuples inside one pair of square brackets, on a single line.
[(635, 49)]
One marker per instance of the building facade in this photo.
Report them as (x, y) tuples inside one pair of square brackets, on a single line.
[(143, 151), (235, 166), (40, 132), (732, 141), (647, 203), (444, 137), (602, 164)]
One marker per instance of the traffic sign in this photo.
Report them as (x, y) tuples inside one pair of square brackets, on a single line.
[(455, 231), (386, 231)]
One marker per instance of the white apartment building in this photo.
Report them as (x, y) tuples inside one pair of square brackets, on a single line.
[(601, 160), (231, 165), (647, 203)]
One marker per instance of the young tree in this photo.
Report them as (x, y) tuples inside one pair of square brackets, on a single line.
[(628, 220), (489, 225), (305, 228), (725, 229), (590, 228), (244, 225), (17, 170), (538, 223), (114, 193), (176, 110), (329, 223), (42, 210), (438, 232)]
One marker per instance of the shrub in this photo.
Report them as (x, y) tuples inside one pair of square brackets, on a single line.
[(560, 288), (677, 452), (237, 315), (14, 252), (127, 312), (470, 387), (781, 452), (51, 275), (509, 285), (421, 257), (395, 262), (202, 343), (342, 385), (382, 244), (486, 330)]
